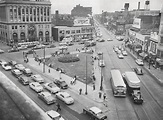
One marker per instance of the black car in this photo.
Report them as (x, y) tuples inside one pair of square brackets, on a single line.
[(61, 69), (12, 63), (60, 83), (16, 72), (24, 80), (31, 46), (138, 70)]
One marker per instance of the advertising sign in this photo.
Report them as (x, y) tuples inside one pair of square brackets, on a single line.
[(81, 21), (137, 23)]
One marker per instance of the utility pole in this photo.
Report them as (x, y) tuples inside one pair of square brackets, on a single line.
[(44, 61), (86, 77)]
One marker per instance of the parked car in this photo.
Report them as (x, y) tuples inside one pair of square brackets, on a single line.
[(61, 84), (13, 50), (54, 115), (99, 53), (61, 70), (124, 53), (95, 113), (19, 67), (47, 97), (39, 46), (36, 86), (101, 40), (6, 67), (137, 97), (23, 79), (27, 72), (120, 56), (22, 47), (51, 46), (138, 70), (1, 51), (2, 62), (37, 78), (101, 63), (139, 62), (109, 39), (65, 97), (16, 72), (52, 87), (12, 63)]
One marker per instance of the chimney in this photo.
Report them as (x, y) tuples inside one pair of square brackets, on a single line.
[(138, 5)]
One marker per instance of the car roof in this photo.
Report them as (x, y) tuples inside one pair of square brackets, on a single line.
[(64, 94), (96, 110), (53, 113), (46, 93)]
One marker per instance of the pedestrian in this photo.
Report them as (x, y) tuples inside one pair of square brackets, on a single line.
[(100, 94), (58, 107), (49, 70), (93, 86), (80, 91), (104, 96)]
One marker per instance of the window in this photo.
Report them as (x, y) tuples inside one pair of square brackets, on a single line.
[(68, 32), (12, 27), (26, 10), (31, 19), (161, 40), (72, 31), (77, 31), (23, 18), (23, 11), (30, 10), (15, 27)]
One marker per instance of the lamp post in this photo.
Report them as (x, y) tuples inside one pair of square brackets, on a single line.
[(44, 61), (86, 78), (101, 87)]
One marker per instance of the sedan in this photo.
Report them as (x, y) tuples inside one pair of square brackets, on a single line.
[(101, 63), (2, 62), (138, 71), (27, 72), (36, 86), (95, 112), (47, 97), (23, 47), (124, 53), (24, 80), (51, 87), (37, 78), (139, 62), (19, 67), (54, 115), (6, 67), (65, 97), (120, 56), (16, 72), (61, 84), (109, 39), (99, 53), (13, 50), (1, 51)]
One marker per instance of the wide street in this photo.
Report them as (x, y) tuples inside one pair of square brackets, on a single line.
[(119, 108)]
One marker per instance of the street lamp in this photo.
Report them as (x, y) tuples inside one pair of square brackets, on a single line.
[(86, 78), (101, 87)]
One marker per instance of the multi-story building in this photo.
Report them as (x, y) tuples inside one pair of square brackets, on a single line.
[(81, 11), (25, 20)]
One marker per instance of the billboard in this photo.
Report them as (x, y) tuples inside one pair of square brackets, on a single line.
[(81, 21), (137, 23)]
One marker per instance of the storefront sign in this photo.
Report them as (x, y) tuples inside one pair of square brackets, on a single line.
[(81, 21), (137, 23)]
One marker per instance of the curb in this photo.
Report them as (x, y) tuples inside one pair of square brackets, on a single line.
[(152, 75)]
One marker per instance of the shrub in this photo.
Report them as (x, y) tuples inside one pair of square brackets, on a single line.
[(68, 58)]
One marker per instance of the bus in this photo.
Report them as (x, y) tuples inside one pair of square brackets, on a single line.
[(117, 83)]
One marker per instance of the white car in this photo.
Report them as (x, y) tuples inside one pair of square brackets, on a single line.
[(37, 78), (120, 56), (1, 51), (100, 53), (51, 87), (54, 115), (2, 62), (65, 97), (36, 86), (139, 62), (124, 53), (6, 67), (109, 39), (22, 47), (47, 97), (19, 67), (101, 63), (63, 48)]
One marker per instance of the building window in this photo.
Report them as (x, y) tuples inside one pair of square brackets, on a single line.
[(72, 31), (30, 10), (77, 31), (23, 11), (12, 27), (68, 32), (41, 18), (23, 18), (31, 19), (48, 12), (15, 27)]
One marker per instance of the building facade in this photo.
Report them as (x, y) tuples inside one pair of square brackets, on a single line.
[(25, 21), (81, 11)]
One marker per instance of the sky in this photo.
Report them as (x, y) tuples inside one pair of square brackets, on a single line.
[(65, 6)]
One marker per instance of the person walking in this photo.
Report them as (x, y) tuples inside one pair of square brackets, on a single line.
[(93, 86), (58, 107), (80, 91), (100, 94), (104, 96)]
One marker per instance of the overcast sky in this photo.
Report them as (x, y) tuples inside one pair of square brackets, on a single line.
[(65, 6)]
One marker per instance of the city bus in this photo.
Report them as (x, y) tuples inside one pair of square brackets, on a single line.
[(117, 83)]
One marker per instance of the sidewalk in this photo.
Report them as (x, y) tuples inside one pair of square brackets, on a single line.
[(155, 73), (92, 95)]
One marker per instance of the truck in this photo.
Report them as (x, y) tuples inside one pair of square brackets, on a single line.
[(133, 86)]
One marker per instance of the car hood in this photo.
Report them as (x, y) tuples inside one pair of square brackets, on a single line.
[(69, 100), (50, 98)]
